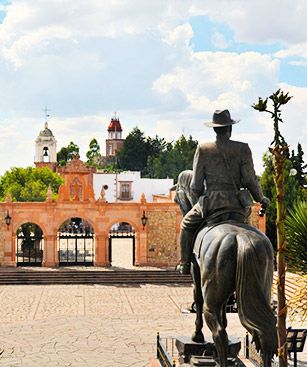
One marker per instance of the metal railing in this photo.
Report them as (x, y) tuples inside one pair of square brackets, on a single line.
[(251, 353), (164, 354)]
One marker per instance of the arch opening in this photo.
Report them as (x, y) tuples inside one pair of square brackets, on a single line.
[(76, 243), (29, 245), (122, 245)]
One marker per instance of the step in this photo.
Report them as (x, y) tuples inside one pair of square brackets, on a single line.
[(93, 277)]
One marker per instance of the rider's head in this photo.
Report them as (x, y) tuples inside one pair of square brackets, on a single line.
[(222, 123), (225, 131)]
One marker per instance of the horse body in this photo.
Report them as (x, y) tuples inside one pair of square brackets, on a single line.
[(228, 257), (235, 257)]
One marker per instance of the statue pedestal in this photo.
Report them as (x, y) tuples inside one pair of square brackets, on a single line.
[(197, 353)]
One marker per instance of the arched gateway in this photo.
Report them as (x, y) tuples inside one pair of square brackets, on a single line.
[(76, 242), (122, 245), (29, 245)]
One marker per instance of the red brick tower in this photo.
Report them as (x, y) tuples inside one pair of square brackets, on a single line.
[(114, 141)]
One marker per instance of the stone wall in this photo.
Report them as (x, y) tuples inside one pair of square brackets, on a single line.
[(255, 220), (162, 238), (2, 237)]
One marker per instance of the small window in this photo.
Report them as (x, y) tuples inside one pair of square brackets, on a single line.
[(125, 191)]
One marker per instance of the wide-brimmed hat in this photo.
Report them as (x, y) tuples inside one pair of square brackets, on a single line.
[(221, 119)]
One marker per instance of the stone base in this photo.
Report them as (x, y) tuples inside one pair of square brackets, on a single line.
[(208, 361), (187, 348)]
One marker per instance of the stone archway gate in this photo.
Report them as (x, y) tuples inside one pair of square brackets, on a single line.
[(155, 245)]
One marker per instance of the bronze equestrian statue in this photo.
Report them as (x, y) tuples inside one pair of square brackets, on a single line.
[(229, 255)]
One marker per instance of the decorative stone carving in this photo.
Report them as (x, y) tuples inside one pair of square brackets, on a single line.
[(8, 198), (143, 199), (49, 194)]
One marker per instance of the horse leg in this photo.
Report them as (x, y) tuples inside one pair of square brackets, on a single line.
[(215, 321), (218, 285), (198, 335)]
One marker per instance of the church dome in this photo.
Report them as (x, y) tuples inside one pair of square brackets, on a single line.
[(115, 125), (46, 132)]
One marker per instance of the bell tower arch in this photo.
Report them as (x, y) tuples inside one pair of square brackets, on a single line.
[(45, 149)]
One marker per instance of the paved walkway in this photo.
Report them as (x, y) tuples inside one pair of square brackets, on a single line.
[(91, 326)]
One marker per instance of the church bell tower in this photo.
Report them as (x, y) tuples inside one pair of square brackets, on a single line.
[(45, 149), (114, 141)]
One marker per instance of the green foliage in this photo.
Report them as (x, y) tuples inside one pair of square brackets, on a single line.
[(66, 154), (296, 232), (294, 191), (176, 158), (29, 184), (93, 156), (133, 156), (155, 157), (298, 164)]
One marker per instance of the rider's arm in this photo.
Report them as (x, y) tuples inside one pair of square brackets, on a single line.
[(248, 175), (197, 183)]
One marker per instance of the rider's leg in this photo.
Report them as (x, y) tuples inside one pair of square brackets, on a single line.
[(190, 223)]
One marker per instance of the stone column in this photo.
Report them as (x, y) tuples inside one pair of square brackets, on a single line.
[(9, 248), (141, 247), (102, 250), (50, 254)]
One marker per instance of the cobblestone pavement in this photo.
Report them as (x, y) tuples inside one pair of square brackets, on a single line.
[(91, 325)]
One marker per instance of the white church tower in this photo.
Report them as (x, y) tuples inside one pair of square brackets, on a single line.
[(45, 149)]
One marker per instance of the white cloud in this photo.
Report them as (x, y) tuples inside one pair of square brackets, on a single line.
[(86, 59), (299, 50), (256, 21), (214, 80), (298, 63), (180, 36)]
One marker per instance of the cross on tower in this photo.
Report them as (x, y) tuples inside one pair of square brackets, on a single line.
[(46, 110)]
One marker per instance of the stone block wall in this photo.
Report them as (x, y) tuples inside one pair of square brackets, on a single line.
[(162, 238), (255, 220), (2, 237)]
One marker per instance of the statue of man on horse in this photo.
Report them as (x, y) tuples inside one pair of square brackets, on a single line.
[(221, 169), (223, 252)]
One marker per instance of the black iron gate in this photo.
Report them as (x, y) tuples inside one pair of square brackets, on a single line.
[(76, 249), (76, 243), (29, 246)]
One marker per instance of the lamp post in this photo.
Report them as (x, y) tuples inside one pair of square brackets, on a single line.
[(144, 219), (8, 219)]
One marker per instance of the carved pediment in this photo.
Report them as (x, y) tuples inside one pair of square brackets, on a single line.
[(76, 166)]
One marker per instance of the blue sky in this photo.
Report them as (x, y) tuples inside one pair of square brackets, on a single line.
[(162, 65)]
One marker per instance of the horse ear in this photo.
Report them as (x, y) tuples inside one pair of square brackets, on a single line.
[(174, 188)]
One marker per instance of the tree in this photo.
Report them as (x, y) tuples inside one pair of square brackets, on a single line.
[(156, 147), (133, 156), (93, 156), (175, 158), (293, 191), (298, 164), (66, 154), (29, 184), (280, 152)]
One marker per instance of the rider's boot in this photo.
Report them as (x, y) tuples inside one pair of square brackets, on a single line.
[(186, 247)]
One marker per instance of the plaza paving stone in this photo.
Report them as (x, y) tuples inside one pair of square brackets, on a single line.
[(92, 325)]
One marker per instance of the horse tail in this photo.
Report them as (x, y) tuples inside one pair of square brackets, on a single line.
[(254, 278)]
